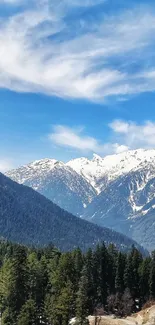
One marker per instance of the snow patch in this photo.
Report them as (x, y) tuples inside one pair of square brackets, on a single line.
[(113, 166)]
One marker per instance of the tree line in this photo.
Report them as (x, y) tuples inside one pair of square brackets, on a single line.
[(45, 286)]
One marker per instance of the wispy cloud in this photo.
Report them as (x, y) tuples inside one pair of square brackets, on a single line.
[(134, 135), (127, 135), (73, 138), (44, 50), (76, 138)]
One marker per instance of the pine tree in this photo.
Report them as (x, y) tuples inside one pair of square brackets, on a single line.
[(28, 314), (136, 262), (144, 273), (120, 267), (5, 279), (82, 303), (128, 273), (152, 277), (103, 274), (78, 261), (112, 264), (8, 317), (65, 303), (96, 276), (13, 285), (59, 306), (91, 285), (19, 281)]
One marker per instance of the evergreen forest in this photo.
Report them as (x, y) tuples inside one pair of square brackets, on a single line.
[(46, 286)]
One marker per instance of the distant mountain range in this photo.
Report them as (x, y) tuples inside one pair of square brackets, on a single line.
[(117, 191), (28, 217), (58, 182)]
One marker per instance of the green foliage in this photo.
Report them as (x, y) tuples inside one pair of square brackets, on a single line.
[(120, 267), (28, 314), (145, 275), (82, 300), (46, 286), (152, 277)]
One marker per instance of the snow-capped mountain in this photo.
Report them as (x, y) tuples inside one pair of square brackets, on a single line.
[(128, 205), (100, 171), (58, 182), (117, 191)]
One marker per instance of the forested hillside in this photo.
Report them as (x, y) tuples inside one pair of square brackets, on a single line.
[(45, 286), (29, 218)]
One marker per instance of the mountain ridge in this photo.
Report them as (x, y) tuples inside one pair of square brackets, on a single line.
[(116, 165), (28, 217), (58, 182), (112, 166), (81, 186), (127, 205)]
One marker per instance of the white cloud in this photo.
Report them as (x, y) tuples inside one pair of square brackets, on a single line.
[(119, 148), (75, 138), (134, 135), (126, 135), (42, 51), (119, 126), (5, 165)]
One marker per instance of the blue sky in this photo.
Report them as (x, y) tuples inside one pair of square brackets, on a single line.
[(76, 77)]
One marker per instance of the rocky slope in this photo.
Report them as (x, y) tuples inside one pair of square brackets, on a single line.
[(128, 205)]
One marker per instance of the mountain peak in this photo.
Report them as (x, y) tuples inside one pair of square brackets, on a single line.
[(58, 182), (97, 171), (112, 166), (121, 181), (47, 162), (96, 157)]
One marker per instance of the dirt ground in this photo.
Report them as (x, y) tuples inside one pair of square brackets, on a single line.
[(146, 317)]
